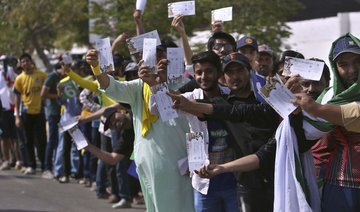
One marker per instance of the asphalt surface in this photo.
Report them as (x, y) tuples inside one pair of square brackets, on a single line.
[(20, 193)]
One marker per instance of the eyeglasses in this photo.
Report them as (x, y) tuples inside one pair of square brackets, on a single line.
[(227, 47)]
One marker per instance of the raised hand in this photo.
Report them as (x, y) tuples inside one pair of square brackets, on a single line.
[(92, 57), (178, 24)]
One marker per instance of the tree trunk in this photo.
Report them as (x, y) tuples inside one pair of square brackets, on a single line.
[(40, 52)]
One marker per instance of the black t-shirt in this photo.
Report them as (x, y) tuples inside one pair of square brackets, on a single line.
[(126, 143)]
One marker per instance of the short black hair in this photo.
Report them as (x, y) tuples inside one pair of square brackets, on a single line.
[(207, 56), (219, 35), (289, 53), (24, 55), (326, 70)]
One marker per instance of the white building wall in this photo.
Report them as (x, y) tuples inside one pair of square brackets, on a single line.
[(314, 37)]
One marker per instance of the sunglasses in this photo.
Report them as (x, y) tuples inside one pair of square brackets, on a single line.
[(227, 47)]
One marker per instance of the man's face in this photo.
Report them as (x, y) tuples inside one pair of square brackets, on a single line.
[(266, 64), (313, 88), (348, 66), (237, 77), (222, 47), (206, 75), (26, 64), (250, 52)]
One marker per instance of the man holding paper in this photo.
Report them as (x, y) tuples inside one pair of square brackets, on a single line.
[(156, 155)]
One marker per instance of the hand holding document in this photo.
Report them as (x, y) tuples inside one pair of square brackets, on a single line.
[(135, 44), (223, 14), (149, 53), (140, 5), (70, 125), (106, 61), (163, 102), (278, 97), (182, 8), (175, 68), (307, 69), (195, 145)]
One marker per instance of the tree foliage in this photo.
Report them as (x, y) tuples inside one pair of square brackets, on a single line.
[(263, 19), (40, 25)]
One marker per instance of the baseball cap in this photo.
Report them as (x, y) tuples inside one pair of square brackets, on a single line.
[(131, 67), (236, 57), (265, 49), (345, 44), (247, 41), (107, 115)]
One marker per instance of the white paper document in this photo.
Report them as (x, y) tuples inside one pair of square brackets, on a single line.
[(278, 97), (223, 14), (182, 7), (149, 53), (135, 44), (195, 145), (78, 137), (140, 5), (307, 69), (106, 61), (66, 124), (163, 102), (67, 59), (176, 66)]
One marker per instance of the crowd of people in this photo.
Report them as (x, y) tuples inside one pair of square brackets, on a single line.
[(249, 168)]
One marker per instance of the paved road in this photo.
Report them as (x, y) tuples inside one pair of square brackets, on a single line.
[(21, 193)]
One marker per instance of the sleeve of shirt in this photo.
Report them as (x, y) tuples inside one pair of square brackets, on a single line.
[(86, 98), (189, 87), (124, 92), (49, 81), (84, 83), (258, 115), (350, 115), (266, 155), (17, 86)]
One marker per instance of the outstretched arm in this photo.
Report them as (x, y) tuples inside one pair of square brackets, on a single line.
[(111, 158), (244, 164), (179, 26), (120, 39)]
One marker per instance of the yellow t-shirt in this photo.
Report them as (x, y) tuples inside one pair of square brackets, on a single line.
[(29, 87)]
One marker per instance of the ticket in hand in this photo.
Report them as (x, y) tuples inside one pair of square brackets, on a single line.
[(135, 44), (149, 53), (223, 14), (163, 102), (106, 60), (176, 66), (67, 59), (182, 7), (195, 146), (307, 69)]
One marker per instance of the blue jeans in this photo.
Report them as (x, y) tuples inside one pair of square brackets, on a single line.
[(58, 163), (337, 198), (121, 169), (51, 146), (218, 201), (86, 129), (22, 149)]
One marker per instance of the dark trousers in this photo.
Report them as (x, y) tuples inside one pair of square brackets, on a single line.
[(34, 127)]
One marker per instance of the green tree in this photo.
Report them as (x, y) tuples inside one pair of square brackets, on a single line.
[(263, 19), (40, 25)]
